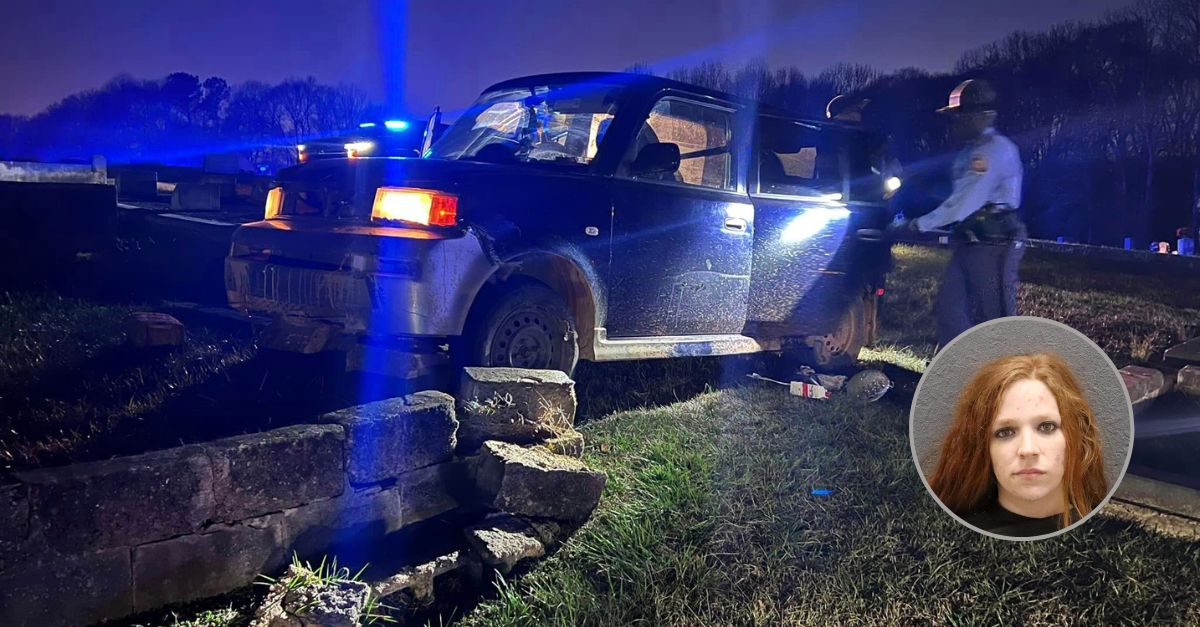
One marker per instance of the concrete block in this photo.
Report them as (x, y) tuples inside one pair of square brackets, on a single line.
[(121, 502), (75, 590), (196, 197), (536, 482), (514, 405), (365, 517), (431, 491), (206, 564), (1187, 380), (502, 541), (145, 329), (358, 518), (1143, 383), (387, 438), (268, 472)]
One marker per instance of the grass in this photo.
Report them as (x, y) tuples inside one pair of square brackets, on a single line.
[(67, 381), (710, 517), (1132, 316)]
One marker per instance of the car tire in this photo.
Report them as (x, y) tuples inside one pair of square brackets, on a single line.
[(837, 351), (521, 324)]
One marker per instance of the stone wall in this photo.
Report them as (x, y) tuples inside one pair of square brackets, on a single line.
[(102, 540)]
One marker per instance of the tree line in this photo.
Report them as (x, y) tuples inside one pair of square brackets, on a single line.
[(1106, 115), (180, 118)]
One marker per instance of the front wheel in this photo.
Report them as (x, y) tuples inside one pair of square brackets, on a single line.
[(522, 325)]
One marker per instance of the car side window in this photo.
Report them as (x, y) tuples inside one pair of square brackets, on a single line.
[(704, 135), (795, 159)]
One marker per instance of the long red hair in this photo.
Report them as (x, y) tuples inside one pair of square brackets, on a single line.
[(964, 480)]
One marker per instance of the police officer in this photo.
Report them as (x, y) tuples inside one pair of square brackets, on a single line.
[(987, 235)]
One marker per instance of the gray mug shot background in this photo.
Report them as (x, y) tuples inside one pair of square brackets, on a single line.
[(937, 392)]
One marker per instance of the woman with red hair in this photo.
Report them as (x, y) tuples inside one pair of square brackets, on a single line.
[(1022, 457)]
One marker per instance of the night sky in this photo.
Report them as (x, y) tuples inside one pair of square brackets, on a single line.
[(444, 52)]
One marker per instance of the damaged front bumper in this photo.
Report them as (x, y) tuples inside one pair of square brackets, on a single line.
[(359, 280)]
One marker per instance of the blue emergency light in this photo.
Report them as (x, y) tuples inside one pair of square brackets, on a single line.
[(396, 125)]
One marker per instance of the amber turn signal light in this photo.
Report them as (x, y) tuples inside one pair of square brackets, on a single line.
[(418, 206), (274, 203)]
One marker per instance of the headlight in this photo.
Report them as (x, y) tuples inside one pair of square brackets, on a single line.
[(419, 206), (357, 149), (892, 183)]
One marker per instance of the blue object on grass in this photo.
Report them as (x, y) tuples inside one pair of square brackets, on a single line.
[(821, 491)]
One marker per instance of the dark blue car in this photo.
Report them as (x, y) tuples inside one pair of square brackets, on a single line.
[(579, 216)]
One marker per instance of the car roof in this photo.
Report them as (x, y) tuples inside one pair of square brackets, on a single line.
[(647, 83)]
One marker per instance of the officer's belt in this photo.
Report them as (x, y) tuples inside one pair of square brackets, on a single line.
[(993, 222)]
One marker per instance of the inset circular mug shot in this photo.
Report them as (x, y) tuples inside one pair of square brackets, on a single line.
[(1021, 428)]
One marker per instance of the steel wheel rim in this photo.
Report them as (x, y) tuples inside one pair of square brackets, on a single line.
[(523, 339)]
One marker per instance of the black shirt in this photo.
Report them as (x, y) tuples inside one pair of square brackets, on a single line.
[(1000, 521)]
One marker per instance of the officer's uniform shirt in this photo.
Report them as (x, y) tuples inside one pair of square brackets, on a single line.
[(987, 171)]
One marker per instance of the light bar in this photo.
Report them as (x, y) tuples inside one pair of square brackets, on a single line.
[(396, 125), (418, 206), (367, 125), (274, 204)]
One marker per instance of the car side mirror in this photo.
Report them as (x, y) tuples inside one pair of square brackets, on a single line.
[(656, 158)]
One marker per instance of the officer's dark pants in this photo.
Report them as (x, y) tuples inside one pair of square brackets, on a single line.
[(980, 284)]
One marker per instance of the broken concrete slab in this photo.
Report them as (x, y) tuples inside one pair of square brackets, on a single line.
[(271, 471), (324, 603), (1187, 352), (502, 541), (414, 586), (1187, 380), (76, 590), (514, 405), (536, 482), (186, 568), (90, 506), (1143, 384), (145, 329), (387, 438)]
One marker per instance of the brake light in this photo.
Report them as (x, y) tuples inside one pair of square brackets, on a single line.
[(274, 203), (419, 206), (879, 292)]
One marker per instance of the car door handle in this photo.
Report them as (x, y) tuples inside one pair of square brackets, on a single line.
[(736, 224)]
